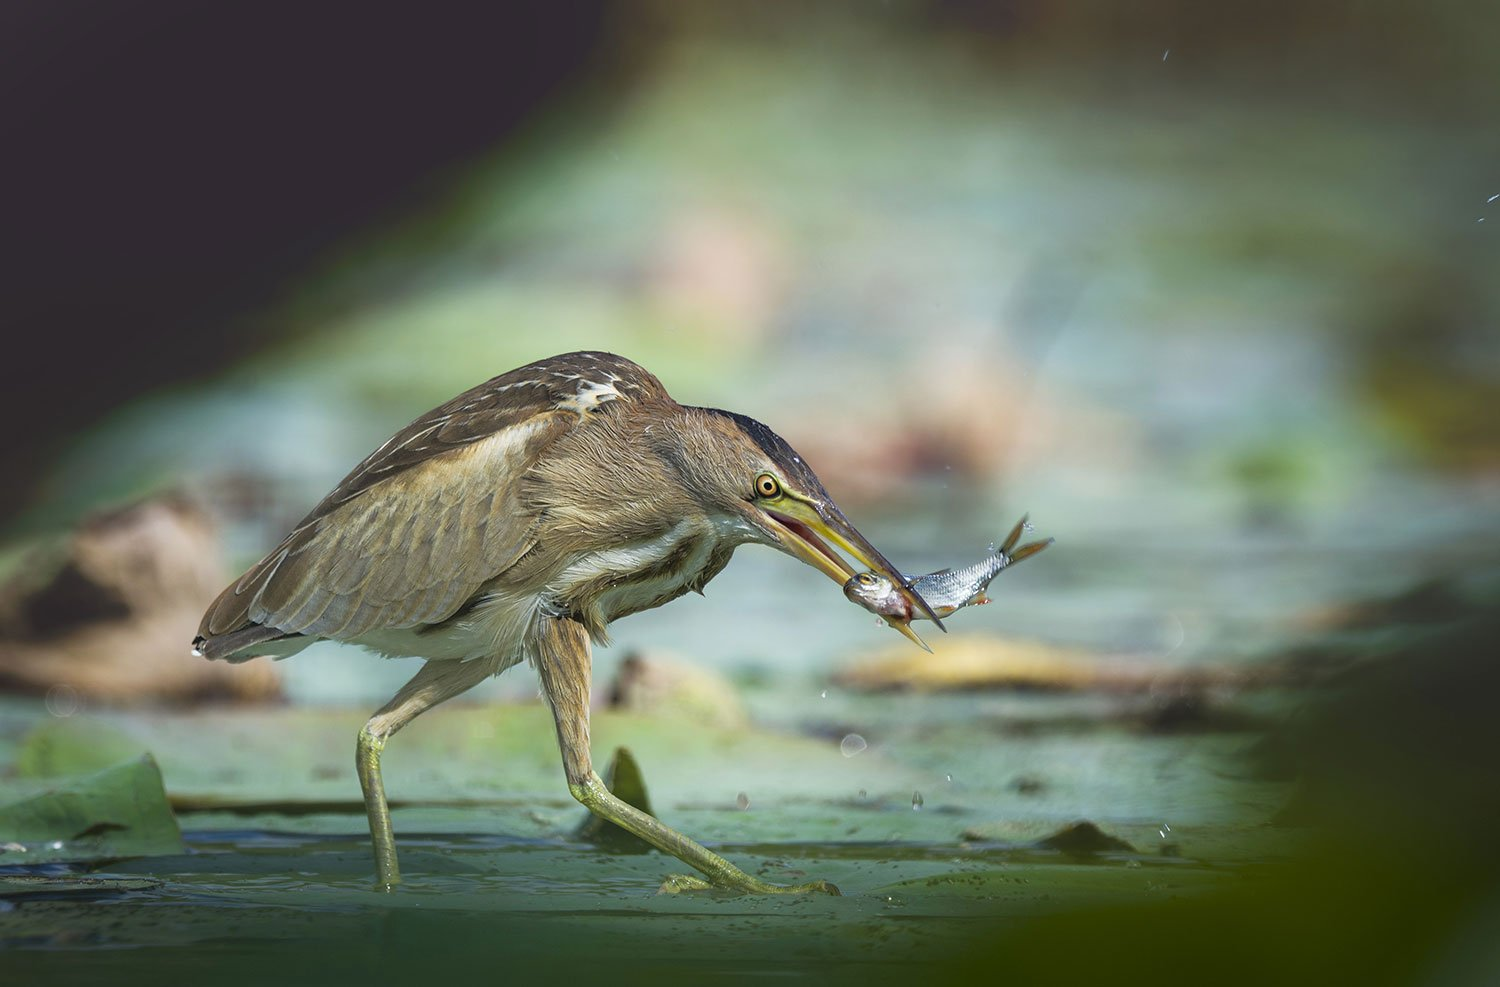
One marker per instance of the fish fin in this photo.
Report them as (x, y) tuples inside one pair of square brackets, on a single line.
[(1014, 536), (1029, 549)]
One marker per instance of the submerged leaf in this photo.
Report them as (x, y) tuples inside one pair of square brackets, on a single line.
[(1085, 837), (623, 777)]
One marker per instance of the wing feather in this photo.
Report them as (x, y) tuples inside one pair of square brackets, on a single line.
[(425, 561), (392, 546)]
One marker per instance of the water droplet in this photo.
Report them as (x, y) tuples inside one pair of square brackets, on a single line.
[(1027, 527), (863, 793), (742, 801), (916, 801), (1493, 197), (63, 700), (1165, 829), (852, 744), (824, 695), (197, 653), (950, 778), (1165, 54), (55, 845)]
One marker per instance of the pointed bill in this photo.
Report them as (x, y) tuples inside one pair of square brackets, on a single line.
[(801, 527)]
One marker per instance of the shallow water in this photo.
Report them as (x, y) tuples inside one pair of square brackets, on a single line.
[(496, 878), (531, 906)]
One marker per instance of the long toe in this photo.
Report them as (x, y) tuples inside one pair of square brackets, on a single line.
[(678, 883)]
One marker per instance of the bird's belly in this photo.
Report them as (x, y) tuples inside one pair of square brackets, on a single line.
[(494, 631)]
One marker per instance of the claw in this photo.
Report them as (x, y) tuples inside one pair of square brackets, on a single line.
[(678, 883)]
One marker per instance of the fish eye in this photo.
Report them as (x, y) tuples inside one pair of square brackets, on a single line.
[(866, 579), (767, 486)]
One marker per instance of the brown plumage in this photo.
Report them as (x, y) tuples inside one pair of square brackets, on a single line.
[(397, 546), (516, 521)]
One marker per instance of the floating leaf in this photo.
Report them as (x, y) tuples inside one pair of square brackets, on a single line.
[(119, 812), (75, 746), (72, 887)]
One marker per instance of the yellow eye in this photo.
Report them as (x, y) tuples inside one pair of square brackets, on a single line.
[(766, 486), (866, 579)]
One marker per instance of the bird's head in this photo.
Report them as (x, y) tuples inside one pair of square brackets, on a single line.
[(744, 472)]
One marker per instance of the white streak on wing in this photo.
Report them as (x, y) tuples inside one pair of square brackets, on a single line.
[(590, 395)]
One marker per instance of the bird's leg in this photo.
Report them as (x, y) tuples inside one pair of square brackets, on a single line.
[(564, 663), (435, 682)]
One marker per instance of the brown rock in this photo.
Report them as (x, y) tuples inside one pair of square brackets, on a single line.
[(658, 684), (108, 613), (956, 413)]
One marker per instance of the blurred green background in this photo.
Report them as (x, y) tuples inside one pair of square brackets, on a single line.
[(1209, 290)]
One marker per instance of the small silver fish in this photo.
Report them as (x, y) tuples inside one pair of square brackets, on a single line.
[(946, 590)]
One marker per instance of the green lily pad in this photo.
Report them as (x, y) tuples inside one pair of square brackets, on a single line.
[(72, 887), (73, 746), (119, 812)]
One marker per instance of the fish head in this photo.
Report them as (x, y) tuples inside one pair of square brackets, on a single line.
[(879, 595)]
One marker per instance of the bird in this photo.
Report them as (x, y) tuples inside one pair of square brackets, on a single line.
[(514, 523)]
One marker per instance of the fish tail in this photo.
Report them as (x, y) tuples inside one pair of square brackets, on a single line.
[(1029, 549), (1014, 536)]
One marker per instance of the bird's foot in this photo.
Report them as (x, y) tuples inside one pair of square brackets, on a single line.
[(678, 883)]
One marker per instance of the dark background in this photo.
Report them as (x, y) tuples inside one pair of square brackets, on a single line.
[(170, 166)]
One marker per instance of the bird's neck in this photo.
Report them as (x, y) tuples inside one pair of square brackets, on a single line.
[(606, 584)]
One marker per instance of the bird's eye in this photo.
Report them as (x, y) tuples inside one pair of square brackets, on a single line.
[(766, 486)]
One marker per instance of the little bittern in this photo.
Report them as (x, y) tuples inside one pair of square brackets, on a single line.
[(515, 522)]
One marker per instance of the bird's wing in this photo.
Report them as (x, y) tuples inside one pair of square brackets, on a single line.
[(394, 546)]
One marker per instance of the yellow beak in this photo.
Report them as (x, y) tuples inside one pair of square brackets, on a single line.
[(801, 527)]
